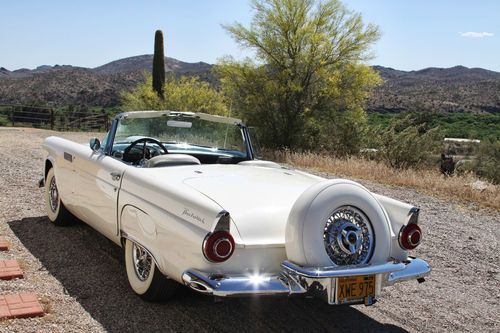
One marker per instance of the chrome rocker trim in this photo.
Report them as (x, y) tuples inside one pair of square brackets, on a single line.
[(305, 281)]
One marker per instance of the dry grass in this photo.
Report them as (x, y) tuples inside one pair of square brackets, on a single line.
[(426, 180), (46, 304)]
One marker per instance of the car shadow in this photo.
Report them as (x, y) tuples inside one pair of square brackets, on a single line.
[(92, 270)]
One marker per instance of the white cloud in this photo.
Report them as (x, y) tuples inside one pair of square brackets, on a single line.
[(473, 34)]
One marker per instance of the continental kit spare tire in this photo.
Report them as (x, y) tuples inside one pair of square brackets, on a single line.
[(335, 223)]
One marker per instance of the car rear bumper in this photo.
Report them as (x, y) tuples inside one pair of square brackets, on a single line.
[(306, 281)]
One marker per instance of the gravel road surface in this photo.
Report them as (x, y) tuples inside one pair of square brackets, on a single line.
[(81, 280)]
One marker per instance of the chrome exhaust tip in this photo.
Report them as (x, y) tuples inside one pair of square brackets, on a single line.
[(197, 283)]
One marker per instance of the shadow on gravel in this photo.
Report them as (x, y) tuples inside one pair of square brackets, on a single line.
[(92, 270)]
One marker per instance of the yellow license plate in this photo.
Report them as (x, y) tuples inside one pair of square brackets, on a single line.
[(355, 288)]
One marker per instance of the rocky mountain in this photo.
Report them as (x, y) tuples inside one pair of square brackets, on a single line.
[(453, 89), (144, 62), (100, 86)]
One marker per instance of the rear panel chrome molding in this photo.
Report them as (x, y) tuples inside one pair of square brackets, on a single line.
[(317, 282)]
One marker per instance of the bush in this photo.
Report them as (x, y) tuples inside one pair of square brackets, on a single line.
[(179, 94), (336, 133), (403, 148), (488, 160)]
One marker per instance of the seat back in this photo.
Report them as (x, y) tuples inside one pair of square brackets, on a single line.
[(172, 160)]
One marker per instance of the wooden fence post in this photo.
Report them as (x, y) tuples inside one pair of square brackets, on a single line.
[(52, 119), (105, 121)]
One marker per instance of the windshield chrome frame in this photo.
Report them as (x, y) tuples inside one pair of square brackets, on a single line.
[(151, 114)]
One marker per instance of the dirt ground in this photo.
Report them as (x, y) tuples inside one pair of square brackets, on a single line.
[(81, 280)]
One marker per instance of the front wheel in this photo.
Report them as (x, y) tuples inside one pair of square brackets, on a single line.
[(144, 277), (56, 211)]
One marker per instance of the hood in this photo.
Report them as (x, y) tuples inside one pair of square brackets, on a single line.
[(259, 199)]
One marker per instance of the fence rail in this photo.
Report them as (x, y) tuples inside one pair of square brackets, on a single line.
[(54, 119)]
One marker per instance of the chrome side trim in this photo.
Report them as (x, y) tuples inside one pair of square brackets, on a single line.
[(260, 246)]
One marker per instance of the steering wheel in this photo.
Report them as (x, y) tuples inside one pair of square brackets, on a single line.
[(144, 141)]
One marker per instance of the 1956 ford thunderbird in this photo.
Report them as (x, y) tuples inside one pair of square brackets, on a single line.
[(186, 198)]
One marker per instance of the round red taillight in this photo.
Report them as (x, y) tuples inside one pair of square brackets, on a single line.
[(219, 246), (410, 236)]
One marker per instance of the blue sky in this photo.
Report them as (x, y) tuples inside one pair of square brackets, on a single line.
[(415, 33)]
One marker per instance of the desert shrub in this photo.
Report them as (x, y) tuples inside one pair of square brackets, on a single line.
[(179, 94), (488, 160), (407, 147), (336, 133), (4, 120)]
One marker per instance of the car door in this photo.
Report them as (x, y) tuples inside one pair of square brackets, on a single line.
[(97, 186)]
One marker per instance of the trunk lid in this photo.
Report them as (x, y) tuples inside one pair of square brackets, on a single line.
[(259, 199)]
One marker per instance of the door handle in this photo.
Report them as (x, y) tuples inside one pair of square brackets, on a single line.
[(115, 175)]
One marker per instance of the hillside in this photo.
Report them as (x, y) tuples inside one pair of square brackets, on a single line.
[(456, 89)]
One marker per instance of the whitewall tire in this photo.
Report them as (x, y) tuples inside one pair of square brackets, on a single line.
[(144, 277), (54, 207)]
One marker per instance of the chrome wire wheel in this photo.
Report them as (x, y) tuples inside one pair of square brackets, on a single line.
[(143, 262), (53, 195), (348, 236)]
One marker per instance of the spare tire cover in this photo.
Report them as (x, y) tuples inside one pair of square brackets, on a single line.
[(305, 229)]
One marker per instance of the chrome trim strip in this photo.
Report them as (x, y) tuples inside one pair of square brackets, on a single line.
[(154, 113), (259, 246)]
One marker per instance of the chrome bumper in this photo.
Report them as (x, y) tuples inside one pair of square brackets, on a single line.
[(305, 281)]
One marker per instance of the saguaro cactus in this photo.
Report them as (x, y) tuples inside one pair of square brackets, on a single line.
[(158, 64)]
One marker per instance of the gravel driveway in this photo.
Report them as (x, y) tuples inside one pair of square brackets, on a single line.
[(80, 276)]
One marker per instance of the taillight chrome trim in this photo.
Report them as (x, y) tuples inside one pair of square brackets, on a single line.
[(218, 242), (410, 237)]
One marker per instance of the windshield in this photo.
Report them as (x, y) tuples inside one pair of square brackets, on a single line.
[(184, 133)]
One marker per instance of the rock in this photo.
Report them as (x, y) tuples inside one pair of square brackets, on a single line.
[(479, 185)]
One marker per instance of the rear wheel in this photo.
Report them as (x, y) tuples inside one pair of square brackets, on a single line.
[(144, 277), (56, 211)]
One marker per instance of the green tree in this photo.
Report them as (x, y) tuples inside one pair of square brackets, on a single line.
[(159, 64), (307, 69), (179, 94)]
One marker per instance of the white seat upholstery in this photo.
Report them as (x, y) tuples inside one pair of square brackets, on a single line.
[(172, 160)]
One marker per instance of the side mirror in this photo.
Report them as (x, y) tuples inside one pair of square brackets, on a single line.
[(95, 144)]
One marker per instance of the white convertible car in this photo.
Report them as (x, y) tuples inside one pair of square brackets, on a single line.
[(186, 198)]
